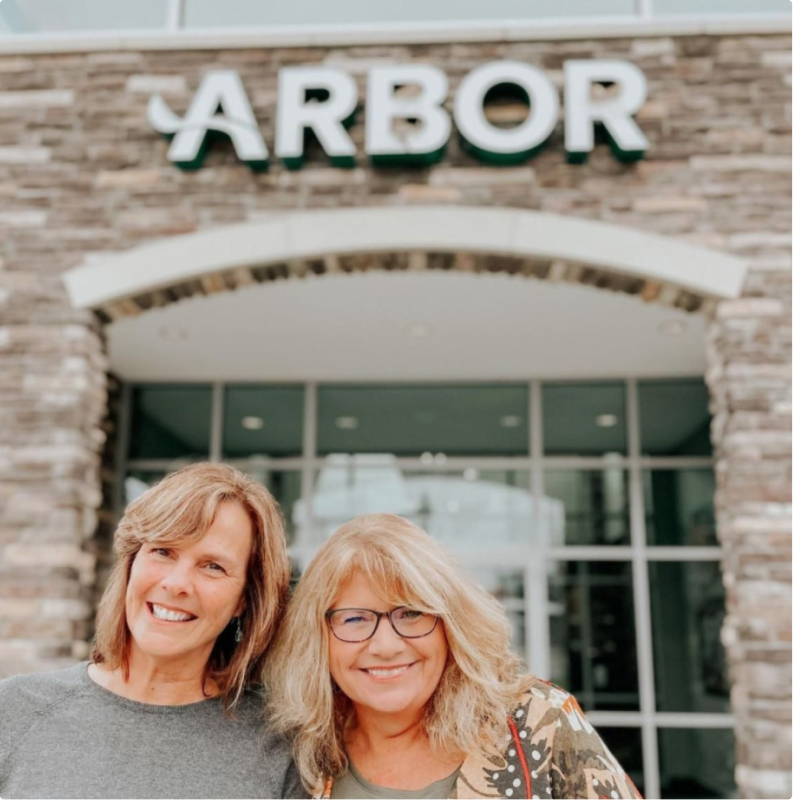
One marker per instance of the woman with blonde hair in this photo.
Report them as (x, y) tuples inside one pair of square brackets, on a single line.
[(393, 677), (166, 707)]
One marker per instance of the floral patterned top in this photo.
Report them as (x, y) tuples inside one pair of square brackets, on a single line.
[(552, 751)]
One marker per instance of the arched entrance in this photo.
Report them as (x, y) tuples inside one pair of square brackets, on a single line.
[(546, 575), (298, 243)]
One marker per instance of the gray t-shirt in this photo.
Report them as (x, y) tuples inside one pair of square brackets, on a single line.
[(62, 735)]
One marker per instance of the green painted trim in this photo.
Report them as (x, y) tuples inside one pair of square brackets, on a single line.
[(501, 159), (258, 166), (602, 136), (197, 162), (343, 162), (408, 159), (209, 138), (627, 156), (576, 156)]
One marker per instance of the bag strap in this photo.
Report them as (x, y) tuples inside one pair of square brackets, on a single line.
[(521, 756)]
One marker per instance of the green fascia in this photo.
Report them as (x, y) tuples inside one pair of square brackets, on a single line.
[(602, 136), (258, 166), (293, 163), (408, 159), (196, 163), (501, 159), (623, 156), (188, 166), (577, 156), (343, 162), (626, 156)]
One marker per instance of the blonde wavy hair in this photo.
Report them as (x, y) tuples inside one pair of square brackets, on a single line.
[(479, 687), (178, 511)]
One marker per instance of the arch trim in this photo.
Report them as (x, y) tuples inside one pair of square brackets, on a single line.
[(291, 235)]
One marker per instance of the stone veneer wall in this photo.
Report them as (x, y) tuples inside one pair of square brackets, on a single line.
[(81, 173)]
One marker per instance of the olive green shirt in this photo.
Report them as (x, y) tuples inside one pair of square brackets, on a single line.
[(353, 786)]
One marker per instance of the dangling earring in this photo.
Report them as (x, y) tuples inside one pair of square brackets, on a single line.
[(238, 631)]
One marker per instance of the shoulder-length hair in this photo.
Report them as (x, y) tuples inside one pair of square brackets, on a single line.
[(179, 510), (481, 682)]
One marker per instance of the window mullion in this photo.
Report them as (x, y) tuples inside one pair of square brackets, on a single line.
[(175, 16), (641, 600), (308, 470), (216, 424)]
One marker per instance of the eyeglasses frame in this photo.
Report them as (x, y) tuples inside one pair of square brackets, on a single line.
[(379, 615)]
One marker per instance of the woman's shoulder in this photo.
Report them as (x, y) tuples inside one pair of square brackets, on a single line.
[(26, 698), (539, 694), (545, 705), (554, 732), (41, 688)]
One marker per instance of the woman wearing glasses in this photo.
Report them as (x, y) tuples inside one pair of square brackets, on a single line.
[(393, 676)]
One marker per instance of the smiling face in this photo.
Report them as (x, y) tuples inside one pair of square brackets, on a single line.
[(180, 597), (387, 674)]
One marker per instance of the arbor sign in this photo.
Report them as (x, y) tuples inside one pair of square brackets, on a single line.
[(406, 121)]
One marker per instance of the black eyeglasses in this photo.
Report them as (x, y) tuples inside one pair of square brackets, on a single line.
[(360, 624)]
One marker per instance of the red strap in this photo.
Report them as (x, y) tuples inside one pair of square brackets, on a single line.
[(519, 748)]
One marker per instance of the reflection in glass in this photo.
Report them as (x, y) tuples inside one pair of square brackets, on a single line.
[(416, 420), (285, 486), (138, 482), (673, 418), (626, 746), (595, 505), (465, 511), (207, 13), (593, 633), (687, 604), (263, 421), (697, 762), (170, 422), (53, 16), (585, 419), (507, 586), (679, 507)]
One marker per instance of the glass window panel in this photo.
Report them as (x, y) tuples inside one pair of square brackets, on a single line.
[(626, 746), (171, 422), (687, 604), (585, 419), (593, 632), (507, 586), (678, 504), (673, 418), (696, 762), (54, 16), (284, 485), (595, 505), (207, 13), (412, 420), (139, 481), (263, 421), (666, 7), (465, 510)]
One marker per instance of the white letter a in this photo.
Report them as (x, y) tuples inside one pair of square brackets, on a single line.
[(219, 105)]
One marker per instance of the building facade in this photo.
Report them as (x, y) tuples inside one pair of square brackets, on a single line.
[(571, 366)]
